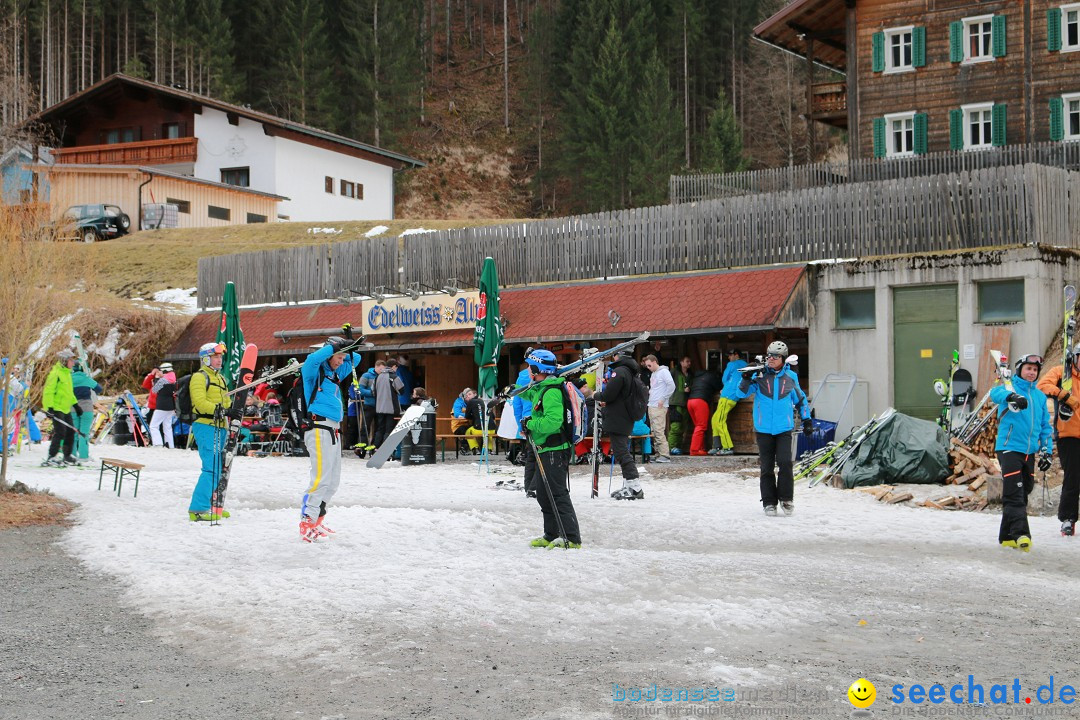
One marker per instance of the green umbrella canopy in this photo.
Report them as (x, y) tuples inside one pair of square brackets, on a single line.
[(487, 340), (230, 334)]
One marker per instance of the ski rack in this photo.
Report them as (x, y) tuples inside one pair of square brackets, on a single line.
[(583, 364)]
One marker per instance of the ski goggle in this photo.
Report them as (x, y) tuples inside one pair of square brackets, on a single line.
[(1030, 360), (776, 355), (218, 349)]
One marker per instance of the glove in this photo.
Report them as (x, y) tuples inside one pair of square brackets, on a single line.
[(1016, 402), (234, 413), (744, 384), (1070, 400), (525, 426), (807, 427), (346, 330), (1044, 461)]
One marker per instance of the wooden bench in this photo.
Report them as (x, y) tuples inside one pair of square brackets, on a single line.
[(121, 469)]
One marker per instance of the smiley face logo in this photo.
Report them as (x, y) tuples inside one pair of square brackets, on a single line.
[(862, 693)]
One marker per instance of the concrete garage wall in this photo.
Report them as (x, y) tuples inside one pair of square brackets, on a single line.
[(868, 353)]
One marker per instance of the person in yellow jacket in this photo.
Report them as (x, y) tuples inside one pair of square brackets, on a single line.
[(57, 400), (208, 393), (1067, 425)]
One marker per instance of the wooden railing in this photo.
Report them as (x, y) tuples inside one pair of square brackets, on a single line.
[(995, 207), (828, 99), (695, 187), (146, 152)]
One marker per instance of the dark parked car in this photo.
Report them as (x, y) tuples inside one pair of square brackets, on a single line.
[(94, 222)]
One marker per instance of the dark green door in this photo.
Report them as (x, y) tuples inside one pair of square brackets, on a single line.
[(925, 333)]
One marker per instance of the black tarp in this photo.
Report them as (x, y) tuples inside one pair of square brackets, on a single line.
[(901, 450)]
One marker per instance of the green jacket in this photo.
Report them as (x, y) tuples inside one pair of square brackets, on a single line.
[(59, 394), (679, 396), (208, 390), (548, 415)]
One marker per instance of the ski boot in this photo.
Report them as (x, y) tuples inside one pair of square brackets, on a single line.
[(727, 451), (360, 449), (540, 542), (1068, 528), (220, 512), (322, 529), (71, 460), (788, 506), (308, 533), (770, 510), (53, 461), (715, 449), (1024, 543), (628, 494), (676, 451), (1009, 544), (207, 516), (563, 544)]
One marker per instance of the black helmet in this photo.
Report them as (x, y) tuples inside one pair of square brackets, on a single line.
[(339, 343), (1029, 359)]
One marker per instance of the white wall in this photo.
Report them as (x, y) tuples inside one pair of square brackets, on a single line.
[(868, 353), (301, 173), (293, 169)]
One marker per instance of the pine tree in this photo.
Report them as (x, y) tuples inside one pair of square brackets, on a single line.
[(721, 144), (214, 50), (656, 148), (301, 77)]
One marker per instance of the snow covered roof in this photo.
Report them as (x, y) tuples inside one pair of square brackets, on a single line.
[(690, 304)]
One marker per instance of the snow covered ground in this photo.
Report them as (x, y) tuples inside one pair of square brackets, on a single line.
[(429, 602)]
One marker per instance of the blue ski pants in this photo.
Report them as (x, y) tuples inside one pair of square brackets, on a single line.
[(211, 442)]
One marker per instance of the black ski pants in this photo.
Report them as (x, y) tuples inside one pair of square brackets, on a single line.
[(1017, 482), (556, 464), (1069, 452), (620, 450), (62, 435), (384, 425), (774, 451)]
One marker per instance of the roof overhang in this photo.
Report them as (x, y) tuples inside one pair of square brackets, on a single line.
[(75, 169), (822, 20)]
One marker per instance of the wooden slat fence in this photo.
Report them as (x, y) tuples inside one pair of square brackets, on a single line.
[(697, 187), (991, 207)]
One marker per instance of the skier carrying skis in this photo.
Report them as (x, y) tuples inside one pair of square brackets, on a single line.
[(57, 400), (618, 423), (548, 468), (1068, 443), (777, 396), (1024, 428), (208, 392), (323, 371), (722, 444)]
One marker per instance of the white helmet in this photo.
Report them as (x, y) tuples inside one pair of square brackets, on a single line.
[(208, 350), (777, 348)]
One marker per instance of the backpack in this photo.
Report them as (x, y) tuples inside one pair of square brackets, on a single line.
[(575, 413), (637, 398), (299, 405), (185, 413)]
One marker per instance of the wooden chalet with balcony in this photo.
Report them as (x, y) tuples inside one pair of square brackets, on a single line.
[(924, 77)]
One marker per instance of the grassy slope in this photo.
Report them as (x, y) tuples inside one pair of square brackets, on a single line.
[(143, 263)]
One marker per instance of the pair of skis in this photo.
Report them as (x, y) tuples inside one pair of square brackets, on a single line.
[(831, 459), (232, 439)]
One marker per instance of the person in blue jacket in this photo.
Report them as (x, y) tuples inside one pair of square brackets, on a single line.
[(722, 444), (367, 407), (777, 397), (1023, 429), (522, 409), (323, 371)]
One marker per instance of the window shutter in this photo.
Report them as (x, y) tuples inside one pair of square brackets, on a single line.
[(918, 47), (997, 35), (997, 131), (920, 133), (879, 137), (1053, 29), (1057, 119), (956, 129), (877, 60), (956, 41)]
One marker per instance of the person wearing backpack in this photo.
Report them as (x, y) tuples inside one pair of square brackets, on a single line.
[(625, 402), (208, 392), (163, 390), (548, 469), (777, 396), (322, 373)]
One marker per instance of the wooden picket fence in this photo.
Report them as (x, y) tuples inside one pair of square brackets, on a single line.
[(992, 207)]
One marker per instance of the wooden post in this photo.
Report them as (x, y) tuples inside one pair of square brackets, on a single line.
[(851, 41)]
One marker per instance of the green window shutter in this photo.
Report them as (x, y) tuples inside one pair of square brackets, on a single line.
[(956, 129), (920, 133), (956, 41), (879, 137), (877, 60), (918, 47), (1057, 119), (1053, 29), (997, 131), (997, 36)]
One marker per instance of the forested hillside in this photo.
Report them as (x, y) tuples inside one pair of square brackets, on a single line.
[(520, 107)]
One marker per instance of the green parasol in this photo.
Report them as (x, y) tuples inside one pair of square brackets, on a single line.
[(230, 334)]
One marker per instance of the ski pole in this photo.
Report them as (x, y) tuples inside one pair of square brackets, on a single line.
[(66, 424), (547, 486)]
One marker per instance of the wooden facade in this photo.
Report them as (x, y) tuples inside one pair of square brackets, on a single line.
[(76, 185), (1021, 80)]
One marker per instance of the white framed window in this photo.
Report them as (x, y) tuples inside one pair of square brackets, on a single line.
[(978, 126), (898, 49), (900, 134), (1071, 106), (1070, 27), (978, 38)]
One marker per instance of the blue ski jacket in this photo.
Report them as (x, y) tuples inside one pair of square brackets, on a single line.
[(522, 406), (732, 378), (1024, 431), (367, 382), (777, 396), (327, 402)]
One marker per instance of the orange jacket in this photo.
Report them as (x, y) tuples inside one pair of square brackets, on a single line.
[(1050, 384)]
